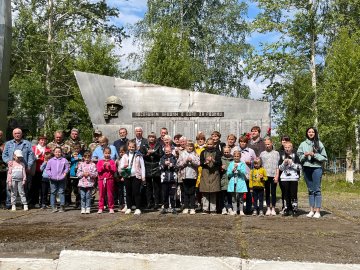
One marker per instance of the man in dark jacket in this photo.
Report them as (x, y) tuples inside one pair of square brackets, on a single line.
[(122, 141)]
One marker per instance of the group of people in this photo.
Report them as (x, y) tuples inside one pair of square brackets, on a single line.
[(164, 173)]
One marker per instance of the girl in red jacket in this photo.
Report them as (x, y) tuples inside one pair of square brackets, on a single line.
[(106, 168)]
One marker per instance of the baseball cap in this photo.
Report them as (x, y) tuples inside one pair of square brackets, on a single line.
[(18, 153), (98, 132)]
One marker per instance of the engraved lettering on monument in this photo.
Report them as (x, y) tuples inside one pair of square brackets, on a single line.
[(185, 128), (229, 127), (248, 124), (145, 125), (207, 127), (177, 114), (159, 124)]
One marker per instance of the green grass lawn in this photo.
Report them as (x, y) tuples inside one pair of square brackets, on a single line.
[(332, 184)]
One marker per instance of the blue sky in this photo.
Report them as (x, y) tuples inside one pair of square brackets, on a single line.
[(131, 11)]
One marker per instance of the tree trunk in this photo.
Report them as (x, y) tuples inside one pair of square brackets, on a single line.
[(349, 165), (49, 66), (312, 60)]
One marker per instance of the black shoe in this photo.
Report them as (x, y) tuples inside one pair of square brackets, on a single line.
[(174, 211), (62, 209), (150, 207), (286, 213), (163, 211), (156, 207)]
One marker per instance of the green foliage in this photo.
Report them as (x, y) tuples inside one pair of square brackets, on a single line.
[(340, 95), (169, 62), (294, 22), (51, 39), (210, 35)]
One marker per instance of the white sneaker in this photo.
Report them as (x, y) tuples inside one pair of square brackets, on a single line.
[(83, 211), (100, 211), (232, 212), (273, 212), (242, 213), (224, 212), (128, 211), (137, 212), (268, 212), (124, 209), (192, 212), (26, 208), (111, 211), (317, 215), (261, 213), (13, 208), (311, 214), (185, 211), (87, 210)]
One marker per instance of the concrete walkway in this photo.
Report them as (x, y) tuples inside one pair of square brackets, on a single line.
[(91, 260)]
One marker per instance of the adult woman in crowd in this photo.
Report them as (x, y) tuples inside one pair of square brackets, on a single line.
[(312, 154)]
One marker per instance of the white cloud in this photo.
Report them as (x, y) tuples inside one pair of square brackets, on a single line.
[(131, 11), (256, 87)]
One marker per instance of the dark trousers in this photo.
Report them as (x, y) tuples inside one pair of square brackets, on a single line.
[(270, 189), (75, 189), (67, 191), (258, 194), (281, 185), (35, 189), (248, 199), (153, 190), (120, 185), (132, 187), (45, 186), (169, 192), (225, 199), (3, 188), (189, 193), (290, 195)]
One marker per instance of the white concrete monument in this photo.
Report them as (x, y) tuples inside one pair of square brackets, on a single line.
[(114, 103)]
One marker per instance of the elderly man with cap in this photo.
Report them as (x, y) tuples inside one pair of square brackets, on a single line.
[(18, 143), (95, 143)]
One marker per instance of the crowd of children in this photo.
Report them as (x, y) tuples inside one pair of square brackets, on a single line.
[(208, 176)]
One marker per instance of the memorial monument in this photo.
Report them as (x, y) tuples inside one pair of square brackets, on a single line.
[(5, 45), (113, 103)]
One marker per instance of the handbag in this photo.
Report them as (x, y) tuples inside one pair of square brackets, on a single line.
[(126, 172)]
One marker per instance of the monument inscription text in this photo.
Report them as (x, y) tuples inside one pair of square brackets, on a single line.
[(177, 114)]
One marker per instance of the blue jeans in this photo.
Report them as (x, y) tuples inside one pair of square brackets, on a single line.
[(57, 187), (85, 195), (312, 177)]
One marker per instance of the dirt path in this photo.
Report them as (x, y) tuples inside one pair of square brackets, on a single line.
[(335, 238)]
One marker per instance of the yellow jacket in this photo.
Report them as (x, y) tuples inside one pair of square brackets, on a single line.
[(198, 151), (255, 181)]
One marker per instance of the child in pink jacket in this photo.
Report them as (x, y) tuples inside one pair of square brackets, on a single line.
[(106, 169)]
